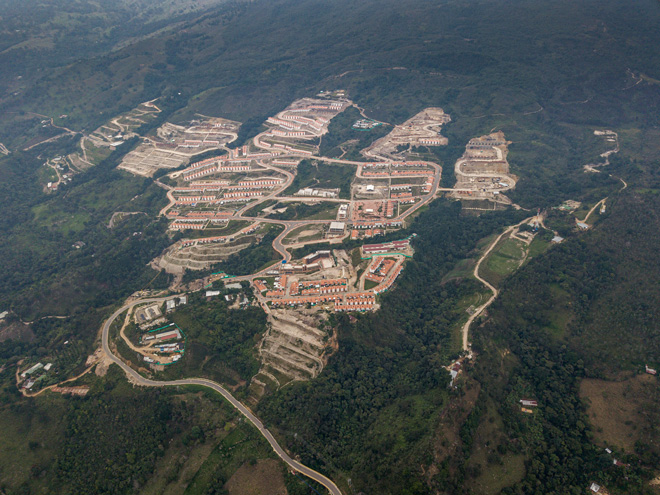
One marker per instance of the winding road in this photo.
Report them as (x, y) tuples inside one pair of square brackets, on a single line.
[(480, 309), (145, 382)]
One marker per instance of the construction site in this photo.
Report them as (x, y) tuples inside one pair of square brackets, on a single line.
[(97, 145), (298, 296), (171, 145), (297, 127), (200, 253), (157, 341), (483, 170), (228, 203), (424, 129)]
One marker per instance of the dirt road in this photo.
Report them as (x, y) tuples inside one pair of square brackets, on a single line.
[(480, 309)]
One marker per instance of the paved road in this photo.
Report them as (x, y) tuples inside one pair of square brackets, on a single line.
[(139, 379)]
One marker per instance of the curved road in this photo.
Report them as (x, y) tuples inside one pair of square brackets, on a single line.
[(490, 287), (140, 380)]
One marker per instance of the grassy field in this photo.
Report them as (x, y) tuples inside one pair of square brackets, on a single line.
[(503, 260), (46, 175), (619, 410), (256, 478), (306, 211), (312, 233), (464, 308), (256, 210), (369, 284), (316, 174)]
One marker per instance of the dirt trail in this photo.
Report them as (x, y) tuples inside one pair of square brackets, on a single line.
[(34, 394), (490, 287), (584, 220)]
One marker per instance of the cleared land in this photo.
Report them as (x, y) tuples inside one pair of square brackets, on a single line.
[(483, 170), (421, 130), (173, 145), (618, 409)]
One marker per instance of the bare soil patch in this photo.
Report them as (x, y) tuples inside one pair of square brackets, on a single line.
[(263, 478), (16, 331)]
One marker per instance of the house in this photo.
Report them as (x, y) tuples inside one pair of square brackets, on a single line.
[(650, 371), (529, 402)]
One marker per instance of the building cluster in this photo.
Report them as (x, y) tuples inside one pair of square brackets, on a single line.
[(365, 213), (485, 142), (369, 250), (364, 124), (367, 233), (432, 141), (189, 224), (321, 287), (220, 239), (197, 215), (389, 279), (244, 185), (357, 301), (286, 148), (379, 268), (525, 404), (353, 301), (170, 333), (428, 185), (366, 225), (165, 345), (319, 193), (394, 164), (382, 270), (309, 263), (396, 173), (35, 374), (300, 301), (285, 163), (225, 164)]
